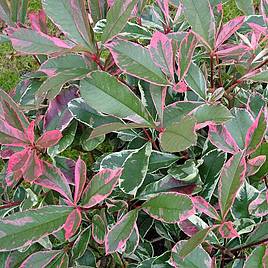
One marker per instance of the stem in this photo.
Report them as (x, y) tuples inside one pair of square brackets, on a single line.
[(9, 205), (150, 138), (212, 72), (249, 245), (219, 71)]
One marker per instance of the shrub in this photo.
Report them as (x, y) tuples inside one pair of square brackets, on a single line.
[(140, 141)]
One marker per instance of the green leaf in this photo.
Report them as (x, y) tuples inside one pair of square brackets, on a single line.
[(32, 42), (200, 16), (117, 237), (136, 60), (210, 173), (231, 178), (179, 136), (83, 113), (262, 150), (169, 207), (255, 259), (216, 113), (198, 258), (81, 243), (53, 85), (246, 6), (260, 77), (106, 94), (159, 160), (193, 242), (27, 227), (72, 18), (114, 127), (117, 18), (98, 229), (196, 81), (135, 169)]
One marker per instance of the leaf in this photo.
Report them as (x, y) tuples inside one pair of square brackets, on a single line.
[(198, 258), (11, 136), (255, 259), (135, 60), (118, 235), (260, 77), (239, 125), (185, 54), (52, 178), (259, 206), (229, 29), (135, 169), (216, 114), (133, 241), (81, 243), (222, 139), (25, 228), (256, 132), (49, 139), (12, 112), (83, 113), (98, 229), (114, 127), (100, 187), (159, 160), (161, 52), (200, 16), (41, 258), (71, 18), (259, 234), (101, 91), (203, 206), (227, 230), (262, 150), (179, 136), (32, 42), (193, 242), (210, 173), (169, 207), (53, 85), (231, 178), (246, 6), (196, 81), (72, 223), (79, 179), (117, 18)]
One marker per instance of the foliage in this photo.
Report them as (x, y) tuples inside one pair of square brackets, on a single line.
[(140, 141)]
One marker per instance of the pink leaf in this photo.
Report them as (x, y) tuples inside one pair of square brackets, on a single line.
[(229, 29), (72, 223), (222, 139), (33, 167), (30, 132), (185, 54), (219, 8), (52, 178), (80, 179), (180, 87), (163, 4), (254, 164), (227, 230), (162, 54), (100, 187), (203, 206), (256, 132), (49, 139), (38, 21)]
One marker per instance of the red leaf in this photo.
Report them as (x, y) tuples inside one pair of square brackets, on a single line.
[(72, 223), (49, 139), (80, 179), (227, 230), (229, 29)]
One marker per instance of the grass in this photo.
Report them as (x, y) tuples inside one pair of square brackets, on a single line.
[(13, 66)]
